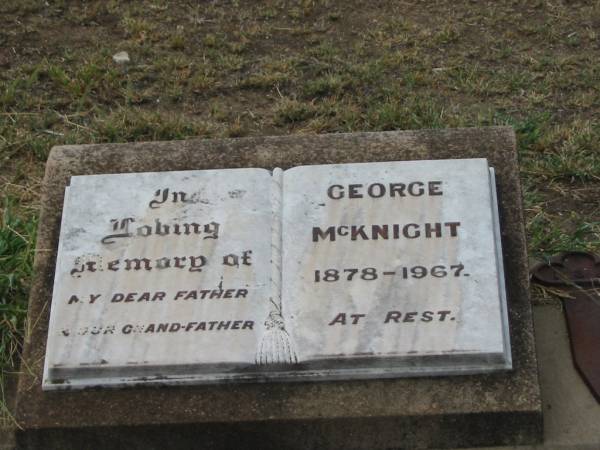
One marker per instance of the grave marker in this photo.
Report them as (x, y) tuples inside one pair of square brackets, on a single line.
[(502, 408), (207, 276)]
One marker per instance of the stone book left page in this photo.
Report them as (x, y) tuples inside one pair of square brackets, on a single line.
[(162, 278)]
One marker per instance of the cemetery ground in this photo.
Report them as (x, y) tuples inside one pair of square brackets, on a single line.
[(231, 69)]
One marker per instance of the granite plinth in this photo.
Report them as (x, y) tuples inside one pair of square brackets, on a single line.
[(493, 409)]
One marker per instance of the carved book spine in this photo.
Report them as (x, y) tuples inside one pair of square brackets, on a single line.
[(275, 346)]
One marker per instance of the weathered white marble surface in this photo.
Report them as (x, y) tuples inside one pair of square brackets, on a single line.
[(358, 306), (116, 318), (140, 297)]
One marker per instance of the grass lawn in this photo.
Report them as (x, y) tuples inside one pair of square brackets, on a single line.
[(241, 68)]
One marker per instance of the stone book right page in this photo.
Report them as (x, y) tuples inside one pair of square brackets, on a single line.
[(394, 269)]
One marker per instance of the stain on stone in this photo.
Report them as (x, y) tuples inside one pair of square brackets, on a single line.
[(236, 193)]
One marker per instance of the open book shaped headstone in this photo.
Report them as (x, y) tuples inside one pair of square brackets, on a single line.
[(319, 272)]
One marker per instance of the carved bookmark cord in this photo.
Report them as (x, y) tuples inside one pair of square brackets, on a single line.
[(275, 346), (276, 238)]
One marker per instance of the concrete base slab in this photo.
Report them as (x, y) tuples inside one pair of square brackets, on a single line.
[(571, 413)]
